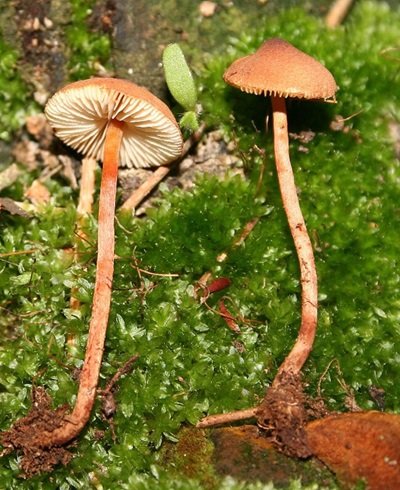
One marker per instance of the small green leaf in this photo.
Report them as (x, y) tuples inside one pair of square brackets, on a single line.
[(179, 78), (189, 121), (23, 279)]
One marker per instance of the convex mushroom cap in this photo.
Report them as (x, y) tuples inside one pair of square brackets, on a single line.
[(80, 113), (279, 69)]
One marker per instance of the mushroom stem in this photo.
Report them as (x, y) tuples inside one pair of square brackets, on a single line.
[(309, 288), (89, 376)]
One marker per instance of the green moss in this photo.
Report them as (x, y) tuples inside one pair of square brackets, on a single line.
[(191, 457), (87, 52), (89, 49), (15, 101), (190, 362), (348, 181)]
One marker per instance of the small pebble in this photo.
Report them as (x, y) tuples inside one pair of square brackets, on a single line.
[(207, 9)]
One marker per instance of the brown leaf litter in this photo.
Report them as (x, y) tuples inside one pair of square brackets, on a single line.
[(359, 445)]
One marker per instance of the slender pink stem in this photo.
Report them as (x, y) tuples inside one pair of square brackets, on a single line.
[(89, 376), (337, 12), (309, 286)]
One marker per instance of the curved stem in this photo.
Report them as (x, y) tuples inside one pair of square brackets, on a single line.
[(309, 288), (89, 376)]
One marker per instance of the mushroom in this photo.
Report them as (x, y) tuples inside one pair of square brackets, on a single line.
[(280, 70), (117, 122)]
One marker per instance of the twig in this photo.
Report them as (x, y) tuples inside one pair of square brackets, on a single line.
[(227, 418), (386, 53), (321, 378), (19, 252), (144, 190), (158, 274), (124, 369), (22, 315), (337, 12), (87, 186), (84, 208), (109, 405), (350, 400), (248, 228), (139, 270)]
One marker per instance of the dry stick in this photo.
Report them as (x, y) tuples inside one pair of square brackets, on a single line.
[(226, 418), (84, 208), (109, 405), (87, 186), (127, 366), (337, 13), (89, 376), (144, 190), (19, 252), (248, 228)]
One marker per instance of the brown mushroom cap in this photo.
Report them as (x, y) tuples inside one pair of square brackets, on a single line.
[(278, 68), (81, 111)]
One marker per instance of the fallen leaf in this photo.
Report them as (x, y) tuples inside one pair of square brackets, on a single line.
[(10, 206), (361, 445), (9, 176), (38, 193)]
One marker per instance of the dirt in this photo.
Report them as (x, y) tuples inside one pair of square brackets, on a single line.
[(39, 150), (104, 17), (24, 436), (191, 457), (246, 454), (41, 47), (212, 155), (283, 415)]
